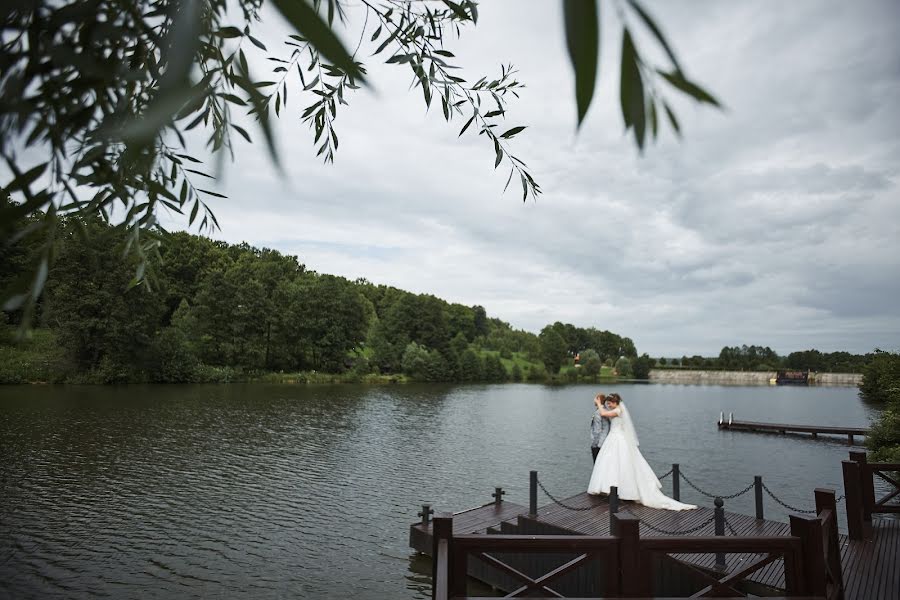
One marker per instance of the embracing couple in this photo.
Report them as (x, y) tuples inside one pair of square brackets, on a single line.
[(618, 461)]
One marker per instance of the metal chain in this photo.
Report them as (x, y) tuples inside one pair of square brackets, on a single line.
[(680, 532), (566, 506), (784, 504), (669, 472), (708, 495), (730, 528)]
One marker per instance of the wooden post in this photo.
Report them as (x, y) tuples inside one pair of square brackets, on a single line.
[(849, 439), (635, 582), (427, 511), (498, 495), (825, 501), (676, 481), (867, 484), (532, 494), (442, 559), (758, 492), (719, 517), (613, 507), (853, 497), (809, 530)]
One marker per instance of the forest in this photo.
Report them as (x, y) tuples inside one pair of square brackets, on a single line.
[(211, 311)]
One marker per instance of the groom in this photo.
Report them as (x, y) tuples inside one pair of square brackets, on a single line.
[(599, 426)]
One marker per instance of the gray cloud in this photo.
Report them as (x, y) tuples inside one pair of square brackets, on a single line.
[(774, 222)]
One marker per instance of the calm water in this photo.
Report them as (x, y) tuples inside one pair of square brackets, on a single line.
[(307, 492)]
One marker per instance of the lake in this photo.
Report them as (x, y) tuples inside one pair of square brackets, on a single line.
[(280, 491)]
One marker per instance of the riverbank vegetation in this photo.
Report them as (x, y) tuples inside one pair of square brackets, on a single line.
[(881, 385), (218, 312), (763, 358)]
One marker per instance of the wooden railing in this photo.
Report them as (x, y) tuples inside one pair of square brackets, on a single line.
[(811, 557), (859, 488)]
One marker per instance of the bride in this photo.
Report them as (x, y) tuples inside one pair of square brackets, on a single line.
[(621, 464)]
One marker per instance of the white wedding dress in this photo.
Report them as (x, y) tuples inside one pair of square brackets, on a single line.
[(620, 463)]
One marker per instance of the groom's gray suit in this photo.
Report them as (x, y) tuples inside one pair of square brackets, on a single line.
[(599, 430)]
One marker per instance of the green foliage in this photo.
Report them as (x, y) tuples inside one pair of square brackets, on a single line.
[(553, 349), (415, 361), (640, 367), (172, 359), (516, 373), (590, 362), (624, 368), (493, 369), (881, 384), (36, 358), (881, 378), (470, 367)]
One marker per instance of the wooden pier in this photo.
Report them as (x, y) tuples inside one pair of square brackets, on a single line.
[(590, 546), (815, 430)]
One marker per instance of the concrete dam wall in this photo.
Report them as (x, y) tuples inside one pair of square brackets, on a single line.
[(699, 376)]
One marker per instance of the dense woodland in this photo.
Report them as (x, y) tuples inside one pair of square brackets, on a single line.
[(211, 311)]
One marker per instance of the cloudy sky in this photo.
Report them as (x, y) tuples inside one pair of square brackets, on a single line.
[(774, 222)]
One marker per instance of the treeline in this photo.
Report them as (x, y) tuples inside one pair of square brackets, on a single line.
[(763, 358), (881, 386), (212, 311)]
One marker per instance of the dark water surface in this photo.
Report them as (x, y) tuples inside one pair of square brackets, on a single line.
[(263, 491)]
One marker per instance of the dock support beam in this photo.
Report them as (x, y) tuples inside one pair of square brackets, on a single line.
[(867, 484), (498, 495)]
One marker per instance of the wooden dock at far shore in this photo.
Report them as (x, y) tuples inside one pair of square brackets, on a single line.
[(815, 430)]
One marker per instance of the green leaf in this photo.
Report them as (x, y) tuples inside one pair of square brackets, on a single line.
[(511, 132), (24, 180), (229, 32), (653, 119), (631, 92), (243, 132), (458, 10), (216, 194), (256, 42), (583, 41), (678, 80), (499, 152), (466, 126), (651, 25), (376, 34), (672, 119), (310, 25)]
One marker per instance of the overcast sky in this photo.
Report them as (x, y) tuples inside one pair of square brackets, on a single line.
[(774, 222)]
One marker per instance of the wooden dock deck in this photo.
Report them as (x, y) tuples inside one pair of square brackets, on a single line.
[(755, 556), (814, 430)]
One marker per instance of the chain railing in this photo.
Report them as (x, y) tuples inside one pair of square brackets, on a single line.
[(560, 503), (679, 475), (785, 504), (722, 496), (678, 532)]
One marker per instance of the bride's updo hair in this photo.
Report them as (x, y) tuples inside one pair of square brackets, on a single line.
[(613, 398)]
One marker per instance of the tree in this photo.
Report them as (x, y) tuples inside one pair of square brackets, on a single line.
[(415, 361), (110, 104), (591, 363), (493, 369), (516, 373), (881, 384), (470, 367), (553, 349), (640, 366), (623, 367)]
